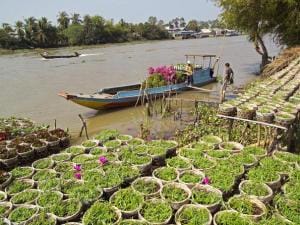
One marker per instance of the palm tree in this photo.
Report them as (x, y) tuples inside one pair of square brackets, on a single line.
[(19, 26), (7, 28), (42, 31), (63, 20), (75, 18), (30, 29)]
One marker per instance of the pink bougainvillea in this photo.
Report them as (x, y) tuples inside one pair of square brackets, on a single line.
[(168, 72)]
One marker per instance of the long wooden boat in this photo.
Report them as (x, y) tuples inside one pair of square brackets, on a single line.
[(76, 54), (129, 95)]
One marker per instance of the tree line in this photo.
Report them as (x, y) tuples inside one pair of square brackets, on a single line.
[(75, 30)]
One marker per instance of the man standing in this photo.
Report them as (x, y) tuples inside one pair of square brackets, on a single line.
[(227, 80), (189, 73)]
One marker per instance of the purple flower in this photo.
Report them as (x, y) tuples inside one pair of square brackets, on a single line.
[(77, 167), (103, 160), (206, 181), (78, 176)]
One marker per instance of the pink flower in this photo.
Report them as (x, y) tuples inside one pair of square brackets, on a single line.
[(78, 176), (206, 181), (77, 167), (103, 160), (151, 70)]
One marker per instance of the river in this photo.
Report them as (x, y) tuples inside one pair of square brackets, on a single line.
[(29, 84)]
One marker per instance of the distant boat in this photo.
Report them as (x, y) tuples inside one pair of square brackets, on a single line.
[(124, 96), (46, 56)]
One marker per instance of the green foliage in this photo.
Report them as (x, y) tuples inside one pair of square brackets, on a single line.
[(20, 172), (232, 218), (100, 213), (173, 193), (204, 196), (156, 211), (192, 215), (127, 200), (146, 187), (22, 214), (24, 197)]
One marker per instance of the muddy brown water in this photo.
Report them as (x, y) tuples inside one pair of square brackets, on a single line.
[(29, 84)]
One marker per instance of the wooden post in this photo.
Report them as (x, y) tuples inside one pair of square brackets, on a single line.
[(230, 129), (83, 127), (55, 124), (258, 135)]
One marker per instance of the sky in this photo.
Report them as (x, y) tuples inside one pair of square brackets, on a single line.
[(130, 10)]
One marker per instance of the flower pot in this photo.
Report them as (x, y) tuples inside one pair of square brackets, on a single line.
[(195, 207), (265, 199), (89, 144), (227, 110), (284, 119), (8, 206), (154, 202), (286, 157), (200, 175), (7, 178), (3, 196), (176, 204), (23, 222), (49, 217), (164, 181), (213, 207), (267, 117), (234, 147), (40, 151), (245, 219), (212, 140), (27, 176), (172, 163), (61, 157), (128, 213), (29, 202), (46, 163), (26, 181), (148, 181), (4, 221), (25, 155), (246, 112), (70, 217), (124, 138), (255, 202), (10, 162)]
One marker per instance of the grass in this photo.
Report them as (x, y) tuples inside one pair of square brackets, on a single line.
[(156, 211), (127, 200), (173, 193), (166, 173), (146, 187), (204, 196), (192, 215)]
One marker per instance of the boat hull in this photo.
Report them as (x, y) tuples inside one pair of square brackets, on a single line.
[(132, 95)]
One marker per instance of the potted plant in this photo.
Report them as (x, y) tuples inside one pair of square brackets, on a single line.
[(76, 150), (222, 180), (231, 217), (44, 175), (10, 158), (259, 152), (235, 147), (278, 166), (176, 194), (101, 212), (291, 190), (64, 137), (275, 219), (3, 196), (191, 177), (284, 119), (61, 157), (218, 154), (287, 157), (4, 221), (61, 166), (245, 159), (203, 163), (5, 208), (52, 142), (135, 142), (81, 159), (169, 145), (110, 182), (247, 205), (40, 147), (246, 111), (265, 114), (46, 163), (66, 210), (85, 192), (212, 140), (42, 218), (112, 145), (25, 152), (124, 138), (49, 198), (190, 153), (227, 109), (147, 186), (89, 144), (127, 173), (142, 162), (25, 197), (179, 163), (106, 135), (23, 214), (265, 175), (193, 215), (287, 208), (158, 154), (127, 201), (19, 185), (22, 172), (155, 211), (98, 151), (166, 174), (207, 196), (259, 190)]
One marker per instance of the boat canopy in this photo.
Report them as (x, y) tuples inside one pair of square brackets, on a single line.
[(202, 59)]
